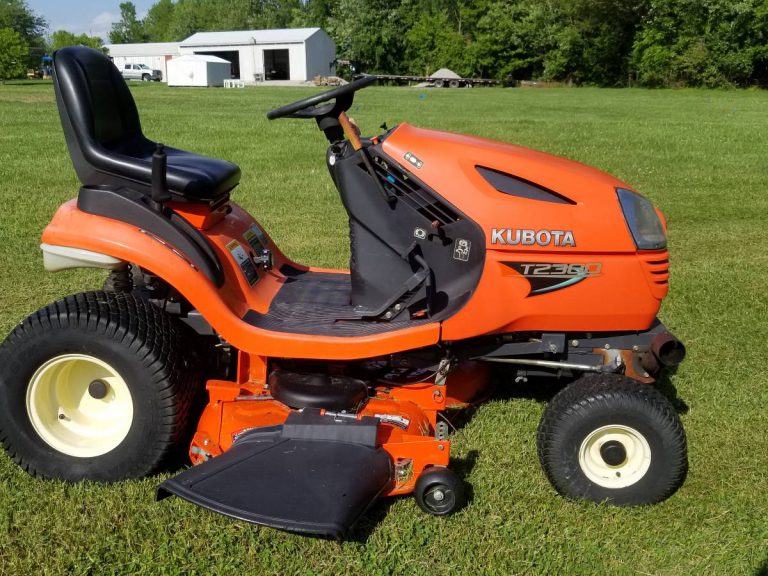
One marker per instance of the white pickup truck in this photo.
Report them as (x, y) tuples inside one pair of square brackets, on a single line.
[(141, 72)]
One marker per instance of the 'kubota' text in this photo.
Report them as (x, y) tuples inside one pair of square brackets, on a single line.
[(560, 238)]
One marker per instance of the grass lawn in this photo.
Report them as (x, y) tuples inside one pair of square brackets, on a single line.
[(699, 155)]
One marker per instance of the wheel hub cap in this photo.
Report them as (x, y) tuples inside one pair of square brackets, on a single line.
[(615, 456), (613, 453), (98, 389), (79, 405)]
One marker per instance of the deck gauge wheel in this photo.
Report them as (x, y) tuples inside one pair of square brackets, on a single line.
[(439, 491)]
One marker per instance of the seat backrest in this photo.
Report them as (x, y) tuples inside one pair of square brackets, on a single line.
[(96, 108)]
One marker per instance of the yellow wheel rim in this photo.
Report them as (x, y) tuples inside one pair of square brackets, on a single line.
[(619, 474), (79, 405)]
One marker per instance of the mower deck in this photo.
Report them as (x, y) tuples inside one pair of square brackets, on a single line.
[(318, 303), (314, 474)]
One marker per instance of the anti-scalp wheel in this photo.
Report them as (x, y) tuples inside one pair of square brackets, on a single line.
[(439, 491)]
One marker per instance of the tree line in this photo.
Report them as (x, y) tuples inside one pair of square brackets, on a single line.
[(712, 43)]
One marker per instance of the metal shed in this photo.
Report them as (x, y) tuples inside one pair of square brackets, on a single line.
[(293, 54), (198, 70)]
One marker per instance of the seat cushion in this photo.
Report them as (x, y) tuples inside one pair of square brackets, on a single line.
[(189, 175)]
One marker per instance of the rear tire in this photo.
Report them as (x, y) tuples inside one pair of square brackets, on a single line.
[(98, 386), (608, 438)]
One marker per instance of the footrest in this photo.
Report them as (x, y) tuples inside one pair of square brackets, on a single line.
[(315, 474)]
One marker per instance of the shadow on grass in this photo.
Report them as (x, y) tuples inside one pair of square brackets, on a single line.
[(665, 386), (539, 389), (365, 527), (762, 569), (28, 82)]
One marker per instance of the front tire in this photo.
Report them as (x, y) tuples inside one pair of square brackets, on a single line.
[(608, 438), (96, 386), (146, 78)]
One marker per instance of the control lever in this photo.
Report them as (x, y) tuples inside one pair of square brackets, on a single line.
[(264, 259), (160, 192)]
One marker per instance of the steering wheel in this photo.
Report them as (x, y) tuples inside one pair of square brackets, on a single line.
[(310, 107)]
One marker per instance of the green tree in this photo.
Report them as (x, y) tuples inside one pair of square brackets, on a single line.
[(257, 14), (514, 39), (275, 13), (596, 39), (602, 42), (433, 42), (190, 16), (13, 54), (371, 31), (312, 14), (16, 15), (62, 38), (703, 43), (157, 24), (129, 28)]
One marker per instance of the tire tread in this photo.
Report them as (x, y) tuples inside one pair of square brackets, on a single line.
[(160, 343), (609, 390)]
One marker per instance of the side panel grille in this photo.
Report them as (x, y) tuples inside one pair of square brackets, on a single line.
[(406, 189), (656, 267)]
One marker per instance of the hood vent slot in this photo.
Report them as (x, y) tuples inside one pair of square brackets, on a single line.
[(514, 186)]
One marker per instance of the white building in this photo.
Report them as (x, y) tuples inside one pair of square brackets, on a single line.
[(293, 54), (296, 54), (155, 55), (198, 70)]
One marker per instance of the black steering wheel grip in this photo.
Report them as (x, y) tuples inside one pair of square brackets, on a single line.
[(308, 107)]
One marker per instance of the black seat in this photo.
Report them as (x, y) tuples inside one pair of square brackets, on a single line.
[(104, 137)]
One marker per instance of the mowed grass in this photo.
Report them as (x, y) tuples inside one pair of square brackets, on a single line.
[(701, 157)]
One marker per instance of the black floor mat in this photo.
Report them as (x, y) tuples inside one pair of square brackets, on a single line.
[(318, 303)]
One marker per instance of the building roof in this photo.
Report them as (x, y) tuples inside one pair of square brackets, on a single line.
[(200, 58), (244, 37), (147, 49)]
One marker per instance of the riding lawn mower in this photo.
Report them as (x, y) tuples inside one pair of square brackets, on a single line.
[(302, 395)]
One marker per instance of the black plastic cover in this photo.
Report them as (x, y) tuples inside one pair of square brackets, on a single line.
[(104, 137), (317, 391), (268, 477), (391, 237), (130, 206)]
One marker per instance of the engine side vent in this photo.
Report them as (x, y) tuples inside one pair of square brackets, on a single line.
[(408, 190), (514, 186)]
